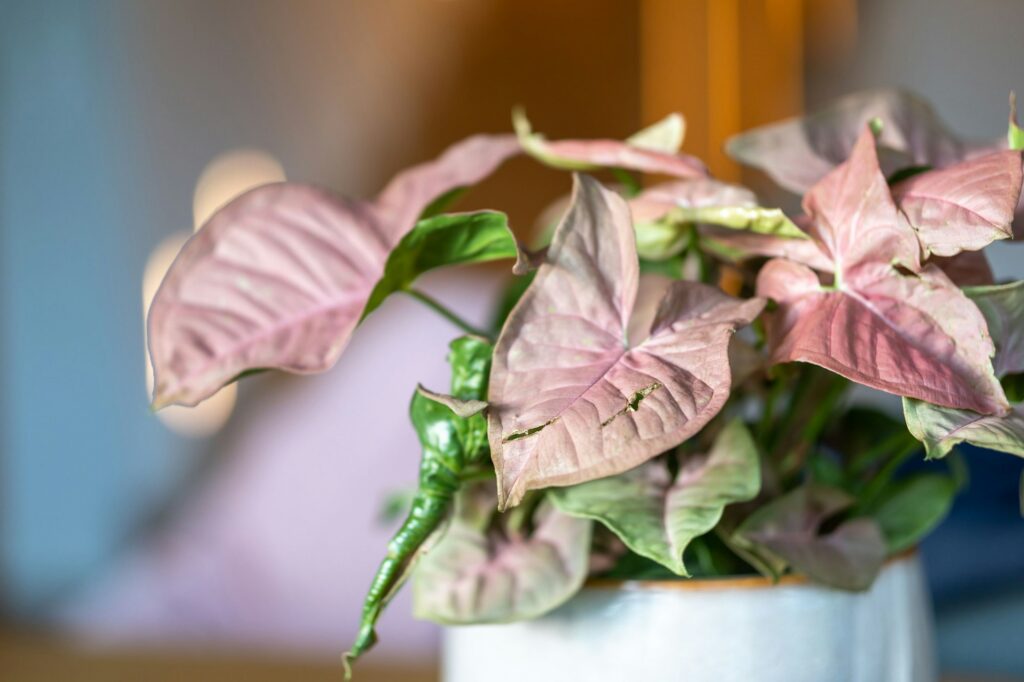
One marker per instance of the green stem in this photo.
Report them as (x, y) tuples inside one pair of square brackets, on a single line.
[(876, 486), (446, 313)]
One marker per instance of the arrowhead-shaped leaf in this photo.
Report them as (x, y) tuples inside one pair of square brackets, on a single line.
[(570, 400), (853, 218), (912, 334), (942, 428), (789, 528), (657, 517), (963, 207), (280, 276), (653, 150), (799, 152), (474, 577)]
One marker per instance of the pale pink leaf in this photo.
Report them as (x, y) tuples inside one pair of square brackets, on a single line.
[(474, 577), (914, 335), (586, 155), (789, 530), (854, 218), (963, 207), (654, 202), (570, 401), (463, 164), (279, 277), (799, 152)]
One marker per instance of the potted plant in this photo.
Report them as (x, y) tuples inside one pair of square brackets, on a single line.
[(664, 394)]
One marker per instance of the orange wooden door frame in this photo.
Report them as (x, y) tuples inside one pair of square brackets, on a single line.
[(727, 65)]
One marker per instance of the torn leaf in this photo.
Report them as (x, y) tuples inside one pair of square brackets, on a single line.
[(562, 365)]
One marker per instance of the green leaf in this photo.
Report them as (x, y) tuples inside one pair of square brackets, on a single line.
[(671, 267), (906, 173), (657, 517), (632, 566), (670, 234), (912, 507), (867, 434), (757, 219), (665, 135), (511, 294), (395, 506), (662, 239), (451, 239), (942, 428), (452, 445), (789, 530), (1013, 386), (1014, 135)]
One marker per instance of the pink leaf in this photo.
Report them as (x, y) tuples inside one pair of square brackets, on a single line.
[(914, 335), (473, 576), (463, 164), (279, 277), (656, 201), (963, 207), (585, 155), (853, 216), (570, 400), (799, 152), (615, 154)]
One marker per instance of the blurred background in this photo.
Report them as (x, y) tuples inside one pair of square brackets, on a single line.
[(239, 538)]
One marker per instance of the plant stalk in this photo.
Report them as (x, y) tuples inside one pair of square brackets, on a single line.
[(446, 313)]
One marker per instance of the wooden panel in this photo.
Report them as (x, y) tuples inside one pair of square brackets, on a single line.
[(726, 64), (37, 658)]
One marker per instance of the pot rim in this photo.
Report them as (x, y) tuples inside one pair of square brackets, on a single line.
[(745, 582)]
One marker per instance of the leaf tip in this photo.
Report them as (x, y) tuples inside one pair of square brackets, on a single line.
[(520, 123), (877, 126), (347, 659), (162, 399), (1014, 133)]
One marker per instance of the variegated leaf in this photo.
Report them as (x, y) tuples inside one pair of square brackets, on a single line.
[(570, 399)]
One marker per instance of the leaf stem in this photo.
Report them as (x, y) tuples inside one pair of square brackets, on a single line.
[(445, 312), (876, 486)]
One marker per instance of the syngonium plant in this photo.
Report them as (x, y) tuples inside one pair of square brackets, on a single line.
[(613, 422)]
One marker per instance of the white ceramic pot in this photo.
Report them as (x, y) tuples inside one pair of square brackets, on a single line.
[(734, 630)]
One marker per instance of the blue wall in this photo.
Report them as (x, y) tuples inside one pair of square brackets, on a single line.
[(82, 456)]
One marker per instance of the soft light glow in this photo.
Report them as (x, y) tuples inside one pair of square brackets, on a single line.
[(209, 416), (227, 176)]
